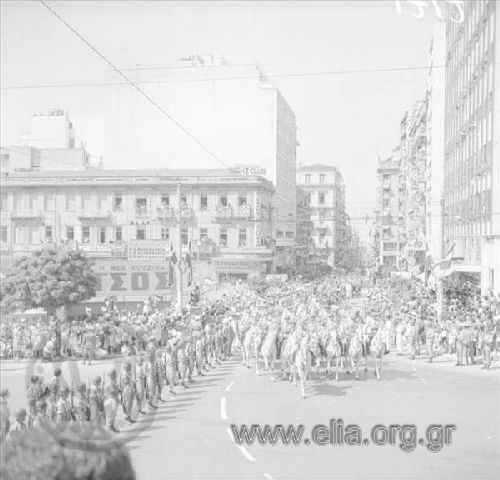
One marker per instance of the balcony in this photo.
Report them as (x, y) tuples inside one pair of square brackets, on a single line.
[(165, 212), (243, 211), (26, 214), (93, 214), (223, 212), (142, 211), (186, 212)]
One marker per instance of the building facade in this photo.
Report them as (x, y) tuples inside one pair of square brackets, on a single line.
[(472, 144), (325, 192), (232, 108), (226, 218), (435, 143), (389, 224)]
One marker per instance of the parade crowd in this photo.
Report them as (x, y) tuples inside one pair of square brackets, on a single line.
[(289, 329)]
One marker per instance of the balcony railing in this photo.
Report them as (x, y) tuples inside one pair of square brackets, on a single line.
[(142, 211), (26, 213), (243, 211), (223, 212), (165, 212), (186, 212), (93, 213)]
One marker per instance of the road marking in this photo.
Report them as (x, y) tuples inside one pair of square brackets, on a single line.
[(223, 408), (269, 477), (243, 450), (228, 388)]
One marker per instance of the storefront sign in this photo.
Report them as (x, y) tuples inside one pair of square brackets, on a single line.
[(248, 170), (132, 278)]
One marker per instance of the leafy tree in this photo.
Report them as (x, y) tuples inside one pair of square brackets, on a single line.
[(49, 279)]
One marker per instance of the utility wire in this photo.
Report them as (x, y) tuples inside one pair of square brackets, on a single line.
[(225, 78), (131, 83)]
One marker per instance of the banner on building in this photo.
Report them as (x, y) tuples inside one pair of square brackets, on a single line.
[(132, 277)]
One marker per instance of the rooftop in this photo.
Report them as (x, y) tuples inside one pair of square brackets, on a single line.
[(317, 167)]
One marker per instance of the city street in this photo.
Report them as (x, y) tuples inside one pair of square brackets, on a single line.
[(188, 437)]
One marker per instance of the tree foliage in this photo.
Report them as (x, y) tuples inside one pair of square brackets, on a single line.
[(50, 278)]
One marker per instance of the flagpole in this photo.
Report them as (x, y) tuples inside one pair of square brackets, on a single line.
[(179, 251)]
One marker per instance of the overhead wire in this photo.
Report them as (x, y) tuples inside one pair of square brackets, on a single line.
[(134, 85)]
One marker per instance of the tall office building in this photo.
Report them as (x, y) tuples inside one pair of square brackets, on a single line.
[(472, 143)]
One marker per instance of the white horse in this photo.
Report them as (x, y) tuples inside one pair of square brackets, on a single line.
[(355, 351), (378, 348), (268, 350), (303, 363), (251, 345), (333, 351)]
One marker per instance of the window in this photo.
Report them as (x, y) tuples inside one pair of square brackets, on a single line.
[(70, 202), (165, 199), (203, 201), (242, 200), (321, 198), (289, 235), (165, 233), (85, 234), (242, 238), (70, 233), (3, 202), (322, 177), (307, 178), (183, 200), (102, 235), (308, 199), (101, 202), (203, 234), (141, 202), (48, 202), (48, 233), (118, 234), (3, 234), (223, 200), (118, 201), (223, 237), (140, 233), (185, 236)]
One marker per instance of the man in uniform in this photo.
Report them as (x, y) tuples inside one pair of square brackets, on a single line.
[(81, 404), (127, 385), (140, 383), (64, 412), (89, 346), (111, 393), (96, 401), (34, 394)]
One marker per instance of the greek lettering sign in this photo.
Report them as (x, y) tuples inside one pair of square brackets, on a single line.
[(248, 170), (147, 250), (132, 278)]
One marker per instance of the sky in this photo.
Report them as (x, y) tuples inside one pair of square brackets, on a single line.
[(344, 119)]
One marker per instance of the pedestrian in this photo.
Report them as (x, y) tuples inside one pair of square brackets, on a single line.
[(42, 419), (96, 402), (111, 395), (4, 414), (19, 426)]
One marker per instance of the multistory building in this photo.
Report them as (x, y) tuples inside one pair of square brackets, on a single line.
[(235, 110), (325, 192), (227, 218), (389, 225), (435, 143), (472, 144)]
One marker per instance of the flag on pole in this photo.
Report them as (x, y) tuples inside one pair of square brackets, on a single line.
[(445, 263)]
